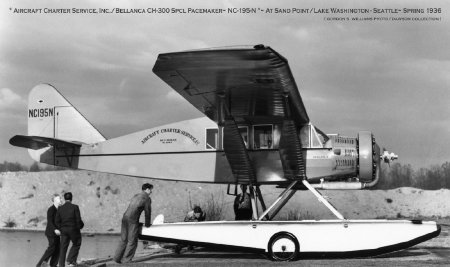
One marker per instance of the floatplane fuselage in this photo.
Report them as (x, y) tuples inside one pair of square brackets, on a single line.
[(256, 132)]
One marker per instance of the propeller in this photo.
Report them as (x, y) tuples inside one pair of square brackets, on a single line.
[(388, 157)]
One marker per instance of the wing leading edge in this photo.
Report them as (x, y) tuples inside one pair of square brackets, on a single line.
[(254, 81)]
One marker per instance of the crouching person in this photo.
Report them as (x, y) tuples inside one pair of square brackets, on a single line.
[(130, 224), (195, 215)]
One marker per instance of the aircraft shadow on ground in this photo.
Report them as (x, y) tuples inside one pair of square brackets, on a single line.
[(404, 253), (218, 255)]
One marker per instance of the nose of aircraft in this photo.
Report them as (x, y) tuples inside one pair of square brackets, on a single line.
[(388, 157)]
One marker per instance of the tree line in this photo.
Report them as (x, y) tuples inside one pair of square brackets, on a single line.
[(393, 176), (398, 175), (35, 167)]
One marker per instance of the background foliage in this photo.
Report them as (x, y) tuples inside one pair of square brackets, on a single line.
[(393, 176)]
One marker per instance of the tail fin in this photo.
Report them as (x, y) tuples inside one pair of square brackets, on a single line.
[(51, 115)]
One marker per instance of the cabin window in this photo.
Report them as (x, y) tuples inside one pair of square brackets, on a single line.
[(262, 136), (243, 130), (212, 138)]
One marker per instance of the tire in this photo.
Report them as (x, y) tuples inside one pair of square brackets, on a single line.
[(283, 246)]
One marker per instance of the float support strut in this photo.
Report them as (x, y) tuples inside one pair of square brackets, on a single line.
[(281, 197), (323, 200)]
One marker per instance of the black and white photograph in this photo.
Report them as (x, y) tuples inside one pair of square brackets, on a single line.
[(224, 133)]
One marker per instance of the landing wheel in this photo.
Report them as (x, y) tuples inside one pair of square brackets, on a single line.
[(283, 247)]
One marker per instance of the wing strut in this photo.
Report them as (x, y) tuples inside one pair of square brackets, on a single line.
[(323, 200), (290, 147), (236, 151)]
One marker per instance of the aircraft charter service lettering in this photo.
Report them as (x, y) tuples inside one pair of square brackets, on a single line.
[(170, 130)]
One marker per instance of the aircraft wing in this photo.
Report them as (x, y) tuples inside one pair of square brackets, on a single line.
[(252, 79)]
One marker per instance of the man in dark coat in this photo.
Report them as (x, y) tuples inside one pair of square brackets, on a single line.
[(243, 205), (52, 234), (130, 224), (68, 221)]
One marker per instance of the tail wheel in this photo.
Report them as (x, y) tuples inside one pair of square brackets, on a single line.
[(283, 247)]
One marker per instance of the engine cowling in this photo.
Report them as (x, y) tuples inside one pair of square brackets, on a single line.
[(368, 157)]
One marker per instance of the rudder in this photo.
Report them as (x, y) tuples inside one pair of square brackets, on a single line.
[(53, 116)]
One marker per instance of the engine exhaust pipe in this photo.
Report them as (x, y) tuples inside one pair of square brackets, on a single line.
[(348, 185)]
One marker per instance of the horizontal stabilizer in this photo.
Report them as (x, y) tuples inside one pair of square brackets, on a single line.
[(38, 142)]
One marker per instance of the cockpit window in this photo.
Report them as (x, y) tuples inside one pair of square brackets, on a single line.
[(311, 137), (323, 137)]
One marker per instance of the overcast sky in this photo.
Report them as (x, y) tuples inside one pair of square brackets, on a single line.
[(389, 77)]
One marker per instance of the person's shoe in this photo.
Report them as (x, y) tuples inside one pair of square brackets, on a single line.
[(71, 264)]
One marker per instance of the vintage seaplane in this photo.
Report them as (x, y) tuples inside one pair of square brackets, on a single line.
[(256, 132)]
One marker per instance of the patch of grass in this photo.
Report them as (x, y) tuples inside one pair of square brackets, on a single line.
[(28, 196), (115, 191), (214, 208), (295, 215), (109, 189), (10, 223), (35, 221)]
